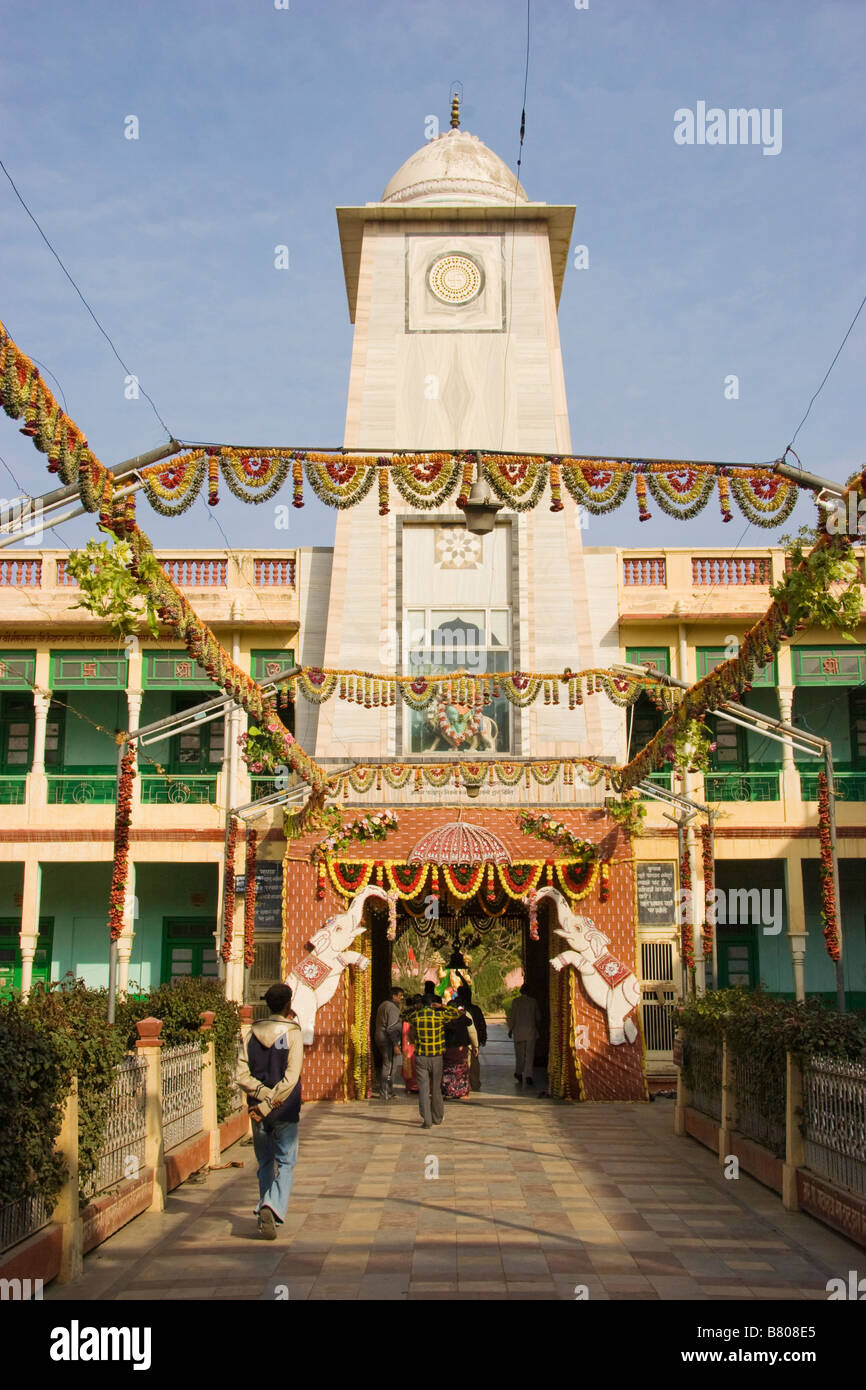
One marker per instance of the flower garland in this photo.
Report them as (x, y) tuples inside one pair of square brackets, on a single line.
[(407, 881), (250, 899), (598, 487), (229, 890), (338, 482), (425, 481), (376, 690), (680, 491), (122, 821), (829, 910), (764, 498), (360, 1026), (517, 481), (264, 749), (687, 935), (171, 488), (544, 828), (373, 827), (709, 876)]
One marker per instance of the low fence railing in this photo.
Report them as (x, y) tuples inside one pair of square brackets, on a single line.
[(834, 1120), (23, 1218), (122, 1152), (181, 1093), (761, 1097), (702, 1062)]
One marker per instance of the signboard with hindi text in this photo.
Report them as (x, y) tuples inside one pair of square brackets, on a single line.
[(656, 900), (269, 894)]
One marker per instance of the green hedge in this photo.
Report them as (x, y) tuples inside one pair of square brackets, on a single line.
[(75, 1020), (758, 1025), (34, 1083), (180, 1006)]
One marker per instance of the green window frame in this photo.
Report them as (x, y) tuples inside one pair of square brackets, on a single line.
[(173, 670), (197, 751), (10, 954), (86, 670), (188, 942), (16, 733), (738, 959), (829, 665), (708, 658), (17, 670), (264, 664), (857, 713), (658, 657)]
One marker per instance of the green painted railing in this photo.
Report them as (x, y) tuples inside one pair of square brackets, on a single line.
[(741, 786), (82, 786), (12, 789), (178, 790), (661, 779), (850, 786)]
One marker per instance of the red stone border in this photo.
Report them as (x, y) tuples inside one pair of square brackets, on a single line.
[(834, 1206), (37, 1257), (757, 1161), (185, 1159), (107, 1213)]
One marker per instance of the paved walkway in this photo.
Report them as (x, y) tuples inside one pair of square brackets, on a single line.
[(533, 1198)]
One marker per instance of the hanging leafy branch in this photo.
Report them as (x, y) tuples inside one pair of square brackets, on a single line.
[(822, 587), (115, 586)]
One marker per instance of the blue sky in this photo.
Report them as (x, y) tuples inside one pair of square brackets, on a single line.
[(255, 123)]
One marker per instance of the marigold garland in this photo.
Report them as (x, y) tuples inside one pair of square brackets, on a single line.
[(688, 941), (709, 876), (122, 821), (250, 899), (229, 890), (829, 910)]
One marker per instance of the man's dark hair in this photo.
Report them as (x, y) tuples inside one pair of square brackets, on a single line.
[(464, 994), (278, 998), (524, 989), (429, 987), (396, 991)]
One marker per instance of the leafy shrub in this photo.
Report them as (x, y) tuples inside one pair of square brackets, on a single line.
[(758, 1025), (34, 1082), (180, 1006), (75, 1019)]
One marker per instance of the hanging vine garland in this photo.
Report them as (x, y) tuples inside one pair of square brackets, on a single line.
[(122, 821), (829, 908), (229, 890), (250, 899)]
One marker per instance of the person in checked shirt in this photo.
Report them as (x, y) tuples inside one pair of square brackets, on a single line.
[(428, 1035)]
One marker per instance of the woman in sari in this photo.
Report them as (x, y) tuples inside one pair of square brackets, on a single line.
[(460, 1037), (409, 1078)]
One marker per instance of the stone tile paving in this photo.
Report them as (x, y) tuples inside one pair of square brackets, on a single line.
[(532, 1199)]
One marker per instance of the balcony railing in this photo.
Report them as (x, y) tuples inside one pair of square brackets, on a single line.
[(64, 578), (275, 573), (850, 786), (196, 573), (12, 789), (712, 570), (741, 786), (198, 789), (22, 574), (82, 787), (643, 570)]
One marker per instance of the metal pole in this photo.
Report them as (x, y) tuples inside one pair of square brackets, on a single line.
[(711, 818), (831, 798)]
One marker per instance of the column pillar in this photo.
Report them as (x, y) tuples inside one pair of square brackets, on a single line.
[(208, 1090), (37, 782), (791, 797), (797, 934), (30, 911), (66, 1211), (150, 1044), (729, 1102)]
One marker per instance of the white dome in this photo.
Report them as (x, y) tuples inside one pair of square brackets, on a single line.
[(456, 167)]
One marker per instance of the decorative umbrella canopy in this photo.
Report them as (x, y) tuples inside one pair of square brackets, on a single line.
[(459, 843)]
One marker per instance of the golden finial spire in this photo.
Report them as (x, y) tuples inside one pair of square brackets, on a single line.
[(455, 112)]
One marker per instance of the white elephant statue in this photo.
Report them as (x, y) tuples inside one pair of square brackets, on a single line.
[(609, 984), (314, 979)]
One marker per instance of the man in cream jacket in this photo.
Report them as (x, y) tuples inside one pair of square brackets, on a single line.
[(269, 1071)]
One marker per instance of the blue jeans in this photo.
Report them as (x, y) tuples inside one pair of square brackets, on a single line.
[(277, 1152)]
